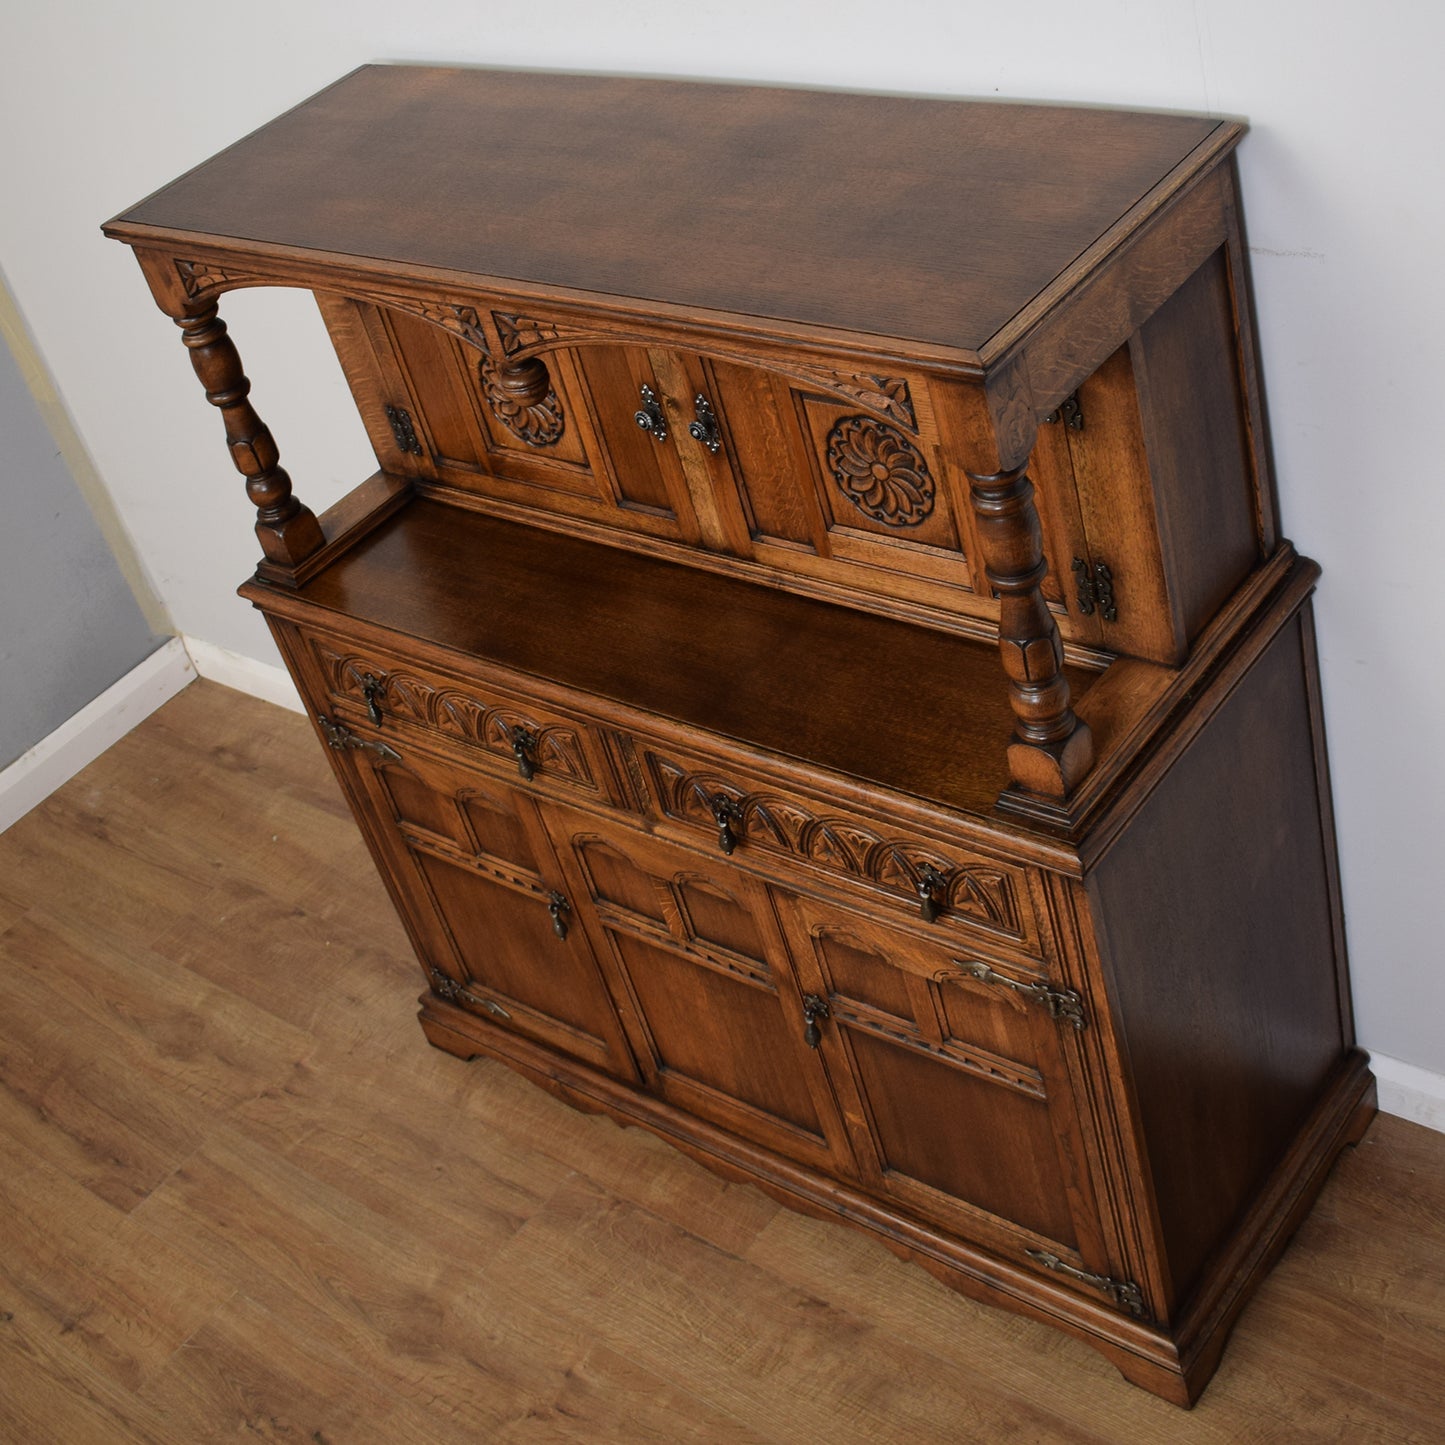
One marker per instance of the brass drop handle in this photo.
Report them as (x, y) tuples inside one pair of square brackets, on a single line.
[(704, 429), (524, 749), (373, 689), (558, 908), (726, 814), (815, 1007), (931, 887), (650, 415)]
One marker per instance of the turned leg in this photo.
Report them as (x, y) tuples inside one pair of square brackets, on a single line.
[(289, 532), (1051, 749)]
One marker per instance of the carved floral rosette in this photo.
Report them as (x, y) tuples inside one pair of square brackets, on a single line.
[(880, 471)]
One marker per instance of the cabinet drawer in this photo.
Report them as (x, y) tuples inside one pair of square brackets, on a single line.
[(945, 887), (551, 748)]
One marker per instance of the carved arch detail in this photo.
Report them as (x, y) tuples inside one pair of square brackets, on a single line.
[(458, 714), (842, 845), (889, 396)]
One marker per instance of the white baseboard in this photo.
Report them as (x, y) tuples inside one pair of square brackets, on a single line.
[(231, 669), (76, 743), (1409, 1092)]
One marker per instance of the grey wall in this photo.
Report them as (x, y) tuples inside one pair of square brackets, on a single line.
[(69, 623)]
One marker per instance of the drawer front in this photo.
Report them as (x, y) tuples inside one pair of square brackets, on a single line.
[(549, 748), (938, 885)]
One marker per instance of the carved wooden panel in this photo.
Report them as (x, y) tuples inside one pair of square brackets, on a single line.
[(536, 419), (964, 890), (556, 749), (880, 471)]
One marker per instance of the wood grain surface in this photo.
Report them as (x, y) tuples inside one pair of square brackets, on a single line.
[(240, 1197), (922, 219)]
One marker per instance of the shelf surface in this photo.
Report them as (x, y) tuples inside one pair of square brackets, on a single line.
[(887, 702), (935, 221)]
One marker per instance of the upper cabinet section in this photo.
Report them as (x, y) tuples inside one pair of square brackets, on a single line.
[(817, 340)]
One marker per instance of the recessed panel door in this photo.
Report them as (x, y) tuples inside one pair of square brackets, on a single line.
[(484, 898), (717, 1023), (961, 1098)]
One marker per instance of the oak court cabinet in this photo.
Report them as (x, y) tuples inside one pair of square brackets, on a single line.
[(817, 665)]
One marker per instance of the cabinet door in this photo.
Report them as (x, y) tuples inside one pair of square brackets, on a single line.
[(481, 892), (716, 1020), (957, 1091)]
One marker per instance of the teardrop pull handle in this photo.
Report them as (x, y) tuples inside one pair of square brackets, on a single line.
[(524, 749), (726, 814), (559, 910), (932, 888), (815, 1007), (704, 429), (650, 415), (373, 689)]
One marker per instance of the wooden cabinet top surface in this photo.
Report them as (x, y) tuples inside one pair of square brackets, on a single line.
[(928, 222)]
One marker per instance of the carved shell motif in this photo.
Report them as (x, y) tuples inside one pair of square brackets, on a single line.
[(529, 407), (880, 471)]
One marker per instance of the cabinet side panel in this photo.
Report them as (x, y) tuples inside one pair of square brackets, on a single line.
[(1193, 410), (1216, 914)]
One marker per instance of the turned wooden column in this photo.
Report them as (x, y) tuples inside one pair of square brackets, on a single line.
[(288, 531), (1051, 749), (996, 425)]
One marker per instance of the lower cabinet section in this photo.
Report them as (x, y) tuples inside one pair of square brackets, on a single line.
[(927, 1078), (1082, 1091)]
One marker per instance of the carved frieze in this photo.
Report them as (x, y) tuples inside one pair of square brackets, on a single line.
[(886, 394), (842, 845), (556, 748), (462, 321), (520, 332), (198, 277)]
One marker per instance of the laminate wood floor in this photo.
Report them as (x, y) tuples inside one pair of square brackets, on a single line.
[(241, 1197)]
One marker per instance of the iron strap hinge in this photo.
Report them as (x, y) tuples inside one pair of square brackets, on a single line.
[(1123, 1294), (1062, 1004), (1069, 413), (340, 737), (399, 419), (1094, 587)]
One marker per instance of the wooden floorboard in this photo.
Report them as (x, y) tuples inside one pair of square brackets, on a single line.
[(240, 1195)]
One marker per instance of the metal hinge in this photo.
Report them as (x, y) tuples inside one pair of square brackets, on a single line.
[(403, 430), (1069, 412), (341, 738), (1123, 1294), (444, 986), (1062, 1004), (1095, 588)]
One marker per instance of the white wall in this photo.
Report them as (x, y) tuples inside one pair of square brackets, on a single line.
[(101, 103)]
